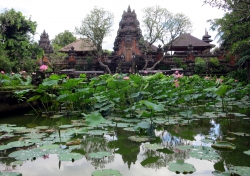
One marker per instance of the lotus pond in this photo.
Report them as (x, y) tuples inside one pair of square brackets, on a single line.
[(136, 125)]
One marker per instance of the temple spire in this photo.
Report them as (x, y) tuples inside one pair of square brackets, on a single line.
[(129, 9)]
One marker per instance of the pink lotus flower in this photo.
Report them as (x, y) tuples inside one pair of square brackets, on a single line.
[(178, 75), (126, 78), (22, 72), (219, 81), (12, 73), (43, 67), (145, 72), (176, 83), (235, 80), (2, 72), (207, 78)]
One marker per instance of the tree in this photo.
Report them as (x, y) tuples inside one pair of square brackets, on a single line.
[(233, 27), (95, 27), (162, 26), (64, 38), (16, 31)]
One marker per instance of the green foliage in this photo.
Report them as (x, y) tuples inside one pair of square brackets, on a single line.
[(16, 30), (239, 75), (200, 65), (64, 38), (214, 62)]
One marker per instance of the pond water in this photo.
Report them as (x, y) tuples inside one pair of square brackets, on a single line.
[(128, 157)]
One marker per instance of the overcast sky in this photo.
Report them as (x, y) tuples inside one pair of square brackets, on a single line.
[(56, 16)]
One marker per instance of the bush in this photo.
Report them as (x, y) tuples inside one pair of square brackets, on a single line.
[(239, 74), (200, 65)]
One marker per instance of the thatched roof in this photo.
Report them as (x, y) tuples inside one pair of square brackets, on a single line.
[(79, 45), (181, 43)]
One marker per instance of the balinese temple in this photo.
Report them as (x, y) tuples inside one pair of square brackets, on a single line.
[(186, 42), (45, 44), (128, 51)]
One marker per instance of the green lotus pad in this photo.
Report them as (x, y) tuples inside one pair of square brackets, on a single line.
[(17, 163), (95, 118), (65, 126), (141, 138), (52, 146), (153, 146), (99, 155), (27, 154), (69, 156), (11, 173), (240, 134), (106, 172), (230, 139), (181, 167), (239, 170), (247, 152), (5, 147), (20, 143), (184, 147), (223, 145), (204, 153)]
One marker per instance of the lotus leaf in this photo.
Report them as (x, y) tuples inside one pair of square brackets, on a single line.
[(239, 170), (52, 146), (230, 139), (20, 143), (69, 156), (153, 146), (65, 126), (184, 147), (247, 152), (17, 163), (153, 106), (17, 129), (223, 145), (122, 125), (42, 127), (10, 173), (218, 173), (100, 155), (5, 147), (106, 172), (95, 118), (129, 129), (27, 154), (142, 125), (240, 134), (181, 167), (141, 138), (97, 132), (205, 153), (35, 135)]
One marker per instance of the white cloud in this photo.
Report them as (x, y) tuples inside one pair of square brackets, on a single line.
[(57, 16)]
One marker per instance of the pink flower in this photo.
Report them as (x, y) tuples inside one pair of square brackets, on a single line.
[(33, 73), (218, 81), (176, 83), (235, 80), (207, 78), (2, 72), (12, 73), (126, 78), (178, 75), (145, 72), (43, 67), (22, 72), (176, 72)]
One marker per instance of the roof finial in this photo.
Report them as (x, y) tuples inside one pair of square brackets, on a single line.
[(129, 10), (206, 33)]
